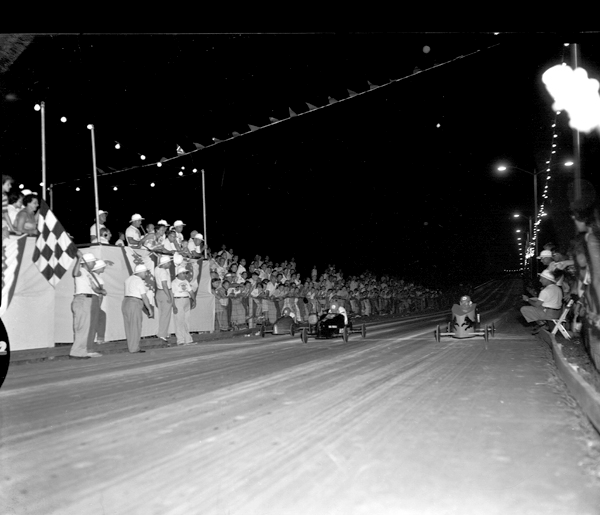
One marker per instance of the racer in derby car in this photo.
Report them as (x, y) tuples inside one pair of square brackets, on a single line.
[(335, 310)]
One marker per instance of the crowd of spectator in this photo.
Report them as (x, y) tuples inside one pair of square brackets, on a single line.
[(259, 290), (571, 273), (19, 210)]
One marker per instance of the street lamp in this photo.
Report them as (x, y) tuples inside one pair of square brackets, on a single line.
[(534, 174)]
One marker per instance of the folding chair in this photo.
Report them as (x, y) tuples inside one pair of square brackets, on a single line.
[(559, 323)]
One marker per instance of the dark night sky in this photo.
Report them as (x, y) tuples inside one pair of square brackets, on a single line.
[(368, 183)]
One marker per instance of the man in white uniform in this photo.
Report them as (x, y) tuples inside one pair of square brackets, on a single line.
[(81, 306), (133, 234), (136, 298)]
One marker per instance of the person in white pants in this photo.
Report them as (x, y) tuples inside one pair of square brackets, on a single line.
[(184, 302), (164, 296)]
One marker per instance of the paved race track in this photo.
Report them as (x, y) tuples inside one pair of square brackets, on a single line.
[(395, 423)]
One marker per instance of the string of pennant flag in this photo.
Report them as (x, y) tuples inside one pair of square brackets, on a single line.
[(530, 251), (274, 121)]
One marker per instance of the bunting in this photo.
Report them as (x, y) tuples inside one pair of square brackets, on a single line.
[(292, 114), (12, 254)]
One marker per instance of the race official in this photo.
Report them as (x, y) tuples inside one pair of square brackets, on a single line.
[(134, 302), (84, 308), (98, 326), (164, 296), (184, 302)]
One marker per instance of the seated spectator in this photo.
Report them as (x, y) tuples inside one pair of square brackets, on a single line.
[(120, 240), (25, 222), (547, 305)]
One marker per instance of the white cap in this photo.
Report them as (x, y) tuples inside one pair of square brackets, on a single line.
[(199, 236), (26, 192), (99, 264), (139, 269), (164, 259), (178, 223), (88, 258), (162, 222), (102, 212), (181, 270), (136, 217)]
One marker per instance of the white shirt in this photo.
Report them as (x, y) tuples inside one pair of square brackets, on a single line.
[(168, 245), (83, 283), (135, 287), (133, 233), (181, 288), (12, 213), (93, 231), (551, 297), (162, 274)]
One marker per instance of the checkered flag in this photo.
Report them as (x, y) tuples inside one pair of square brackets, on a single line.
[(54, 251)]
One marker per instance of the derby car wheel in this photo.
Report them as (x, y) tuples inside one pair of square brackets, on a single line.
[(292, 330), (345, 334), (363, 330), (262, 330), (486, 333), (304, 336), (493, 329), (437, 334), (449, 328)]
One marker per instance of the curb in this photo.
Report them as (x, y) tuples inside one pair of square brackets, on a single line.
[(585, 395)]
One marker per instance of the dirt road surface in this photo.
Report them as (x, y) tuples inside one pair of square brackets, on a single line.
[(395, 423)]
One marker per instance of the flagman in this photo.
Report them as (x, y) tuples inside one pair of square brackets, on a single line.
[(84, 316)]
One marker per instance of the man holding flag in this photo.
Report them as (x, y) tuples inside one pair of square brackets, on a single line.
[(53, 255), (85, 311)]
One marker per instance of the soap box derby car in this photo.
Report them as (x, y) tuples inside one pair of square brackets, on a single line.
[(465, 322), (329, 325), (286, 324)]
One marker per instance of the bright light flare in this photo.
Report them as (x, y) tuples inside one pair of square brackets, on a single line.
[(63, 119), (37, 107), (573, 91)]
